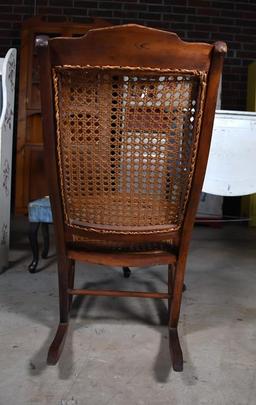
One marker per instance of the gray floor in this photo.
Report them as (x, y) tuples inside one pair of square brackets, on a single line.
[(117, 349)]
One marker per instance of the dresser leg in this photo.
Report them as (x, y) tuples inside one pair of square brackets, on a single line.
[(126, 272), (45, 231), (33, 230)]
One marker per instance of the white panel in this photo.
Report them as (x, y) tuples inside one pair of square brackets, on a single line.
[(6, 136), (231, 169)]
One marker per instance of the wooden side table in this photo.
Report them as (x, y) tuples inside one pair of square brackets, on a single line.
[(39, 213)]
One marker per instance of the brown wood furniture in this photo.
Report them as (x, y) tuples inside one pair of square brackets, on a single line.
[(127, 119), (31, 181)]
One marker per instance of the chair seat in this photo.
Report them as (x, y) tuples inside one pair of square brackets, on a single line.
[(131, 259), (111, 246), (119, 253)]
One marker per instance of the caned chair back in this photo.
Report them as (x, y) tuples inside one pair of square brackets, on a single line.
[(127, 141)]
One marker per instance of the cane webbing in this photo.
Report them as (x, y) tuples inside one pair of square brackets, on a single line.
[(127, 141)]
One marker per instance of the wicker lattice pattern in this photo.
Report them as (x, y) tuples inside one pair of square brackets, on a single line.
[(127, 141)]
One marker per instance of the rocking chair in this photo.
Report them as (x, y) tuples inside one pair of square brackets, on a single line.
[(127, 120)]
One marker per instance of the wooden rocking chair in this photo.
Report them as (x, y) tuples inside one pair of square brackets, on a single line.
[(127, 119)]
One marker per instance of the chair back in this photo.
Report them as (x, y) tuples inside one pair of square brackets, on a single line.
[(129, 105)]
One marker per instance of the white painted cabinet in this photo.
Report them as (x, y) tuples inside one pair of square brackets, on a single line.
[(231, 169), (7, 83)]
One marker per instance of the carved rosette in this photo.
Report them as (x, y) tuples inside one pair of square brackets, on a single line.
[(11, 66), (8, 117), (4, 232), (6, 176)]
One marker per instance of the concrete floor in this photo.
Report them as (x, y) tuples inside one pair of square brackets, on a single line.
[(117, 349)]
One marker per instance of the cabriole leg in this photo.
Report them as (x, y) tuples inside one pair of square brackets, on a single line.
[(32, 235), (126, 272), (45, 232)]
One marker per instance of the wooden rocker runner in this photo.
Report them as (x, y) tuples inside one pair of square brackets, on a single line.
[(127, 118)]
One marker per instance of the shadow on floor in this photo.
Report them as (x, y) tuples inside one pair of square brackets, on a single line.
[(86, 310), (214, 280)]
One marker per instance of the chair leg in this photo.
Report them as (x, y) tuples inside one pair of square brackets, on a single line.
[(71, 278), (175, 350), (55, 350), (175, 290), (32, 235), (45, 231)]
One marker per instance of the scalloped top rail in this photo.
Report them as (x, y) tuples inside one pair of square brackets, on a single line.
[(133, 45)]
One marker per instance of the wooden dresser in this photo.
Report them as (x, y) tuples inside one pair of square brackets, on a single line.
[(30, 178)]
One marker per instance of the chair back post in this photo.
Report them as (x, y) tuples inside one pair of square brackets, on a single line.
[(50, 155), (214, 75)]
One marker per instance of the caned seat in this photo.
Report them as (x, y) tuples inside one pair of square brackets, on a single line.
[(127, 117)]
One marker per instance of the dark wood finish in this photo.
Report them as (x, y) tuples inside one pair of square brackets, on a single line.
[(114, 293), (133, 46), (57, 344), (215, 69), (123, 259), (71, 280), (145, 47), (175, 350), (31, 182)]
